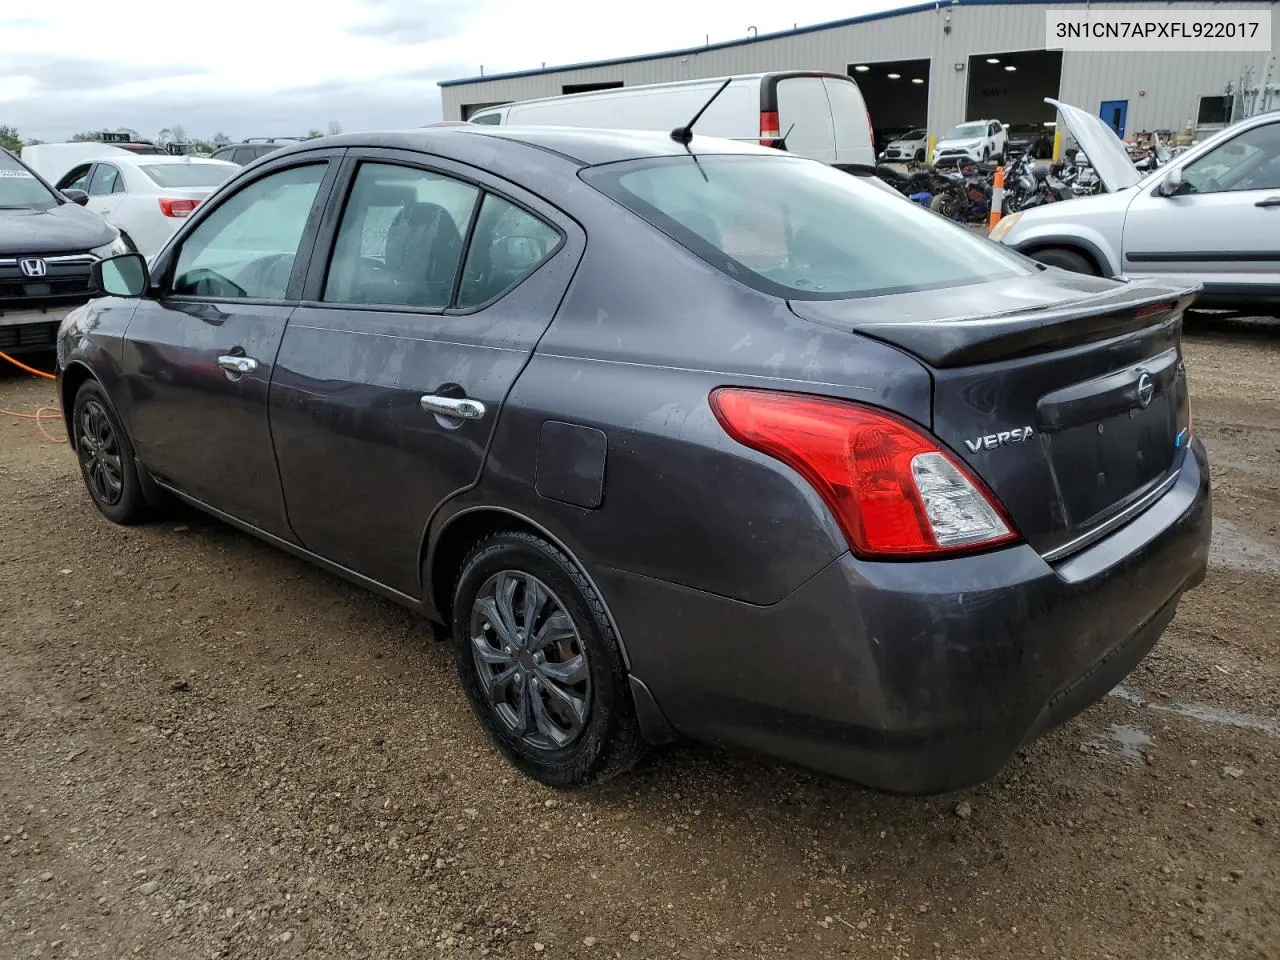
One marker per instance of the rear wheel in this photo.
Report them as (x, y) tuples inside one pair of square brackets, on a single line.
[(1065, 259), (540, 664), (106, 457), (919, 156)]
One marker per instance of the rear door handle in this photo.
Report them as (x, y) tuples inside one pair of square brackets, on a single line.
[(238, 365), (463, 408), (1269, 202)]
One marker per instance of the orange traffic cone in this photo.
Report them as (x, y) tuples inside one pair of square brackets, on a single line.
[(997, 199)]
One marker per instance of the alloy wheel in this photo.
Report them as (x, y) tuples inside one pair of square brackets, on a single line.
[(99, 453), (530, 660)]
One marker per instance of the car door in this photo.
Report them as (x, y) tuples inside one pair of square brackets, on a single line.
[(394, 369), (804, 118), (106, 190), (1223, 227), (200, 351)]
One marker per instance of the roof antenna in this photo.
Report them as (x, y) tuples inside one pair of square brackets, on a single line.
[(782, 143), (685, 134)]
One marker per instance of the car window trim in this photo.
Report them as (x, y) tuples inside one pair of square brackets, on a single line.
[(306, 244), (326, 239)]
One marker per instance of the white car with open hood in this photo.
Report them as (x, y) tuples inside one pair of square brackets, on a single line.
[(1212, 214)]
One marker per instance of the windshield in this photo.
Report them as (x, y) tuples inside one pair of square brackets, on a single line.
[(799, 229), (187, 174), (967, 131), (915, 135), (19, 188)]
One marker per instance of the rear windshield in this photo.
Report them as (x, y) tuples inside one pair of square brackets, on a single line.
[(20, 190), (187, 174), (799, 229)]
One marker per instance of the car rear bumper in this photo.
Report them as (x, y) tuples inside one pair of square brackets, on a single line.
[(919, 677)]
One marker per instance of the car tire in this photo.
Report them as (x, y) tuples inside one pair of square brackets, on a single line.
[(919, 156), (106, 459), (549, 685), (1065, 259)]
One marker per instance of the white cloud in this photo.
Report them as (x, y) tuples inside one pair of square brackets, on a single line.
[(263, 67)]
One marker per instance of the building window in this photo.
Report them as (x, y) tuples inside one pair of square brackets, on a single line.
[(588, 87), (1214, 110)]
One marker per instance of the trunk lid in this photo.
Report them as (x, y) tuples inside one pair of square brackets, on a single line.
[(1106, 152), (1065, 394)]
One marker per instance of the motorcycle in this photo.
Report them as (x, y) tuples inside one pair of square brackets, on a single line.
[(1029, 184), (966, 194)]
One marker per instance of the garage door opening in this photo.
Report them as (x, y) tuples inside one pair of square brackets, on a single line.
[(1011, 87), (897, 96)]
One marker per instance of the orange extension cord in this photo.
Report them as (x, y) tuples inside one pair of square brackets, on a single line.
[(40, 413)]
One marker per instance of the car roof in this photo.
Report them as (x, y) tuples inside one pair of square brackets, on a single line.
[(485, 145)]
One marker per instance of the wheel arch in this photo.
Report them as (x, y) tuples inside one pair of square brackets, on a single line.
[(443, 556), (1084, 246), (76, 374)]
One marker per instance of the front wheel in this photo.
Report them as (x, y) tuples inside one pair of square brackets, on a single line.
[(540, 663), (106, 457), (947, 206)]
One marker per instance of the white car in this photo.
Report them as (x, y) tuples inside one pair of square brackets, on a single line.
[(976, 140), (1212, 214), (910, 146), (145, 197)]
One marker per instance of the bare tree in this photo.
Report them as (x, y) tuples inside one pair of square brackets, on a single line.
[(335, 128)]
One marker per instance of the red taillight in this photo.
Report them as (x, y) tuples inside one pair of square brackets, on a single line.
[(177, 208), (894, 491), (769, 129)]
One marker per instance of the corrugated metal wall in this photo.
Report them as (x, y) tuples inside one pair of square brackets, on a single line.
[(1172, 82)]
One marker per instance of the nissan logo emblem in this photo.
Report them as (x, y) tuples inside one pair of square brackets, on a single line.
[(1146, 389)]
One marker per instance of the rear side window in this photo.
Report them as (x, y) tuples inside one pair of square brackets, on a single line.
[(105, 180), (245, 155), (400, 240), (508, 244), (822, 235), (803, 109), (488, 118)]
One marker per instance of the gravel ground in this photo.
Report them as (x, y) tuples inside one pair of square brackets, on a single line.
[(210, 749)]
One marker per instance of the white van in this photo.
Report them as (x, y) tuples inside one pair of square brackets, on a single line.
[(824, 112)]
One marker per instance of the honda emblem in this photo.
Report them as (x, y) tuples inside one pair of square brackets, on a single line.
[(33, 267)]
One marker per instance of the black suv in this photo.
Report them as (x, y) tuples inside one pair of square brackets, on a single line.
[(48, 244), (253, 148)]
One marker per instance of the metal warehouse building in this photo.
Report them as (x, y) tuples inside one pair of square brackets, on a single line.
[(938, 64)]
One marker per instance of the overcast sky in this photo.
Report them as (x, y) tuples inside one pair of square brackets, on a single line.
[(280, 67)]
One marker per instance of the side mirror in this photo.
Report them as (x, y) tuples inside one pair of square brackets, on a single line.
[(1172, 184), (76, 196), (122, 276)]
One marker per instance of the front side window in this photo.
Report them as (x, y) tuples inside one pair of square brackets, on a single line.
[(106, 179), (822, 234), (508, 244), (245, 156), (247, 246), (1250, 161), (400, 240)]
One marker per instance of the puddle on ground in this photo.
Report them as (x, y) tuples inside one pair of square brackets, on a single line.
[(1233, 549), (1131, 741), (1204, 712)]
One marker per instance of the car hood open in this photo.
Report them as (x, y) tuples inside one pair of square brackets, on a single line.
[(1106, 152)]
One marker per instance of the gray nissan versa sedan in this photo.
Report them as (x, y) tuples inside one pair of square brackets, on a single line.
[(705, 440)]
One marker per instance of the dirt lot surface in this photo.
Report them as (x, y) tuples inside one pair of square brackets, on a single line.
[(209, 749)]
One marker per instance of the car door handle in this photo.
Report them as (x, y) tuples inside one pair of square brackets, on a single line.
[(462, 407), (1269, 202), (240, 365)]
